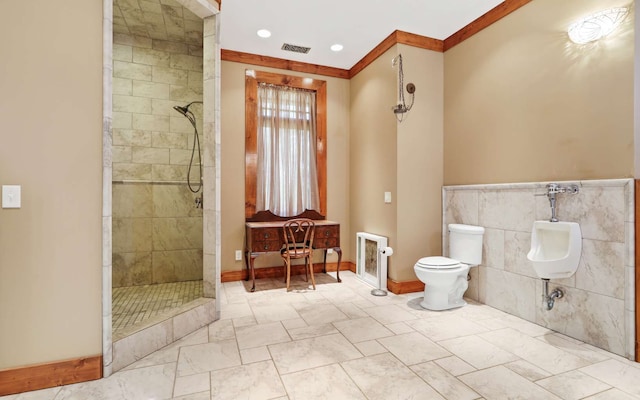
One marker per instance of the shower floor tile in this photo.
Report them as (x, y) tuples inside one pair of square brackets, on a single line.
[(135, 304)]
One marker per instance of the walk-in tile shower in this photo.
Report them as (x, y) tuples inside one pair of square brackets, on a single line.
[(157, 216)]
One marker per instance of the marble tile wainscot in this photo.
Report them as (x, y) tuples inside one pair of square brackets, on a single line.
[(599, 303)]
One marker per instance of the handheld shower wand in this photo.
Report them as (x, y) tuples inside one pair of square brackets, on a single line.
[(401, 108), (184, 110)]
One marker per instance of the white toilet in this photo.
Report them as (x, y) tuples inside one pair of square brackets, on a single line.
[(445, 278)]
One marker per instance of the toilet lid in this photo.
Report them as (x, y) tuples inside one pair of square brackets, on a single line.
[(438, 262)]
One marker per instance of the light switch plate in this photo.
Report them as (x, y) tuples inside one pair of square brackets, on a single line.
[(387, 197), (238, 255), (11, 196)]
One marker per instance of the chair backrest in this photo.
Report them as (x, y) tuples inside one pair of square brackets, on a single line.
[(298, 236)]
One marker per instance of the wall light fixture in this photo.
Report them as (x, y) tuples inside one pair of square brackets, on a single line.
[(597, 26)]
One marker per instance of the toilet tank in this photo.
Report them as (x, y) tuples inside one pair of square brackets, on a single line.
[(465, 243)]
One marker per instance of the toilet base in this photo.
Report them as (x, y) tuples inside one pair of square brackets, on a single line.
[(445, 297), (437, 307)]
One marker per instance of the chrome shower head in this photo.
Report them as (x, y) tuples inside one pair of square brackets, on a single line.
[(182, 110)]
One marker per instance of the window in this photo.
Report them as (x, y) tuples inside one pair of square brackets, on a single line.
[(264, 91), (286, 179)]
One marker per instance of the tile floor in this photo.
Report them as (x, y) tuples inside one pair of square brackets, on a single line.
[(339, 342), (133, 305)]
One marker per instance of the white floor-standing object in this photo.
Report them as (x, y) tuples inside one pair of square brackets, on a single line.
[(371, 261)]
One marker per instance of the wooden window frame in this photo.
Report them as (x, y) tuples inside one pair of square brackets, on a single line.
[(252, 78)]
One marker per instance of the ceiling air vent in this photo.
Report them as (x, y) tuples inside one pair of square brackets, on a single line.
[(295, 49)]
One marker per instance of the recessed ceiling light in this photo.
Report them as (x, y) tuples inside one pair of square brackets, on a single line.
[(263, 33), (336, 47)]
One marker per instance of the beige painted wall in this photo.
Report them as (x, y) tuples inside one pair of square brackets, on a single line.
[(523, 103), (232, 167), (420, 163), (373, 164), (403, 158), (51, 144)]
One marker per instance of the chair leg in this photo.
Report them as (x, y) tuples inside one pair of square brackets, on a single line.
[(313, 280), (306, 274), (288, 262)]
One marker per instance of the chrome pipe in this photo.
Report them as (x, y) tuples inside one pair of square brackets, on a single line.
[(552, 190), (550, 298)]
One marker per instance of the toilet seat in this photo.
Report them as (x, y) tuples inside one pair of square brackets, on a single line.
[(438, 263)]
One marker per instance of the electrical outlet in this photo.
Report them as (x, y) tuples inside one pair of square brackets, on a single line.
[(329, 251), (238, 255)]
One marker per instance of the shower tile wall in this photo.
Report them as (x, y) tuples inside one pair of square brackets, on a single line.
[(157, 234), (157, 231), (598, 307)]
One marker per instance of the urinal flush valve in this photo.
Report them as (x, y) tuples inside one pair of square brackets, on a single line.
[(552, 190)]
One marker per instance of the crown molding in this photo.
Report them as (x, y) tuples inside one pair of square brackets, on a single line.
[(495, 14), (396, 37)]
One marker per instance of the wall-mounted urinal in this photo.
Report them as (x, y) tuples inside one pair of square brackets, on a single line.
[(555, 249)]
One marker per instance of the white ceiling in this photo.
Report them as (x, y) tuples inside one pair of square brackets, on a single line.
[(359, 25)]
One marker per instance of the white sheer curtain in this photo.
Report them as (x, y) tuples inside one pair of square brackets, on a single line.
[(287, 181)]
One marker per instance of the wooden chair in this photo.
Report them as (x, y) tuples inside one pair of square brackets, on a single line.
[(298, 241)]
